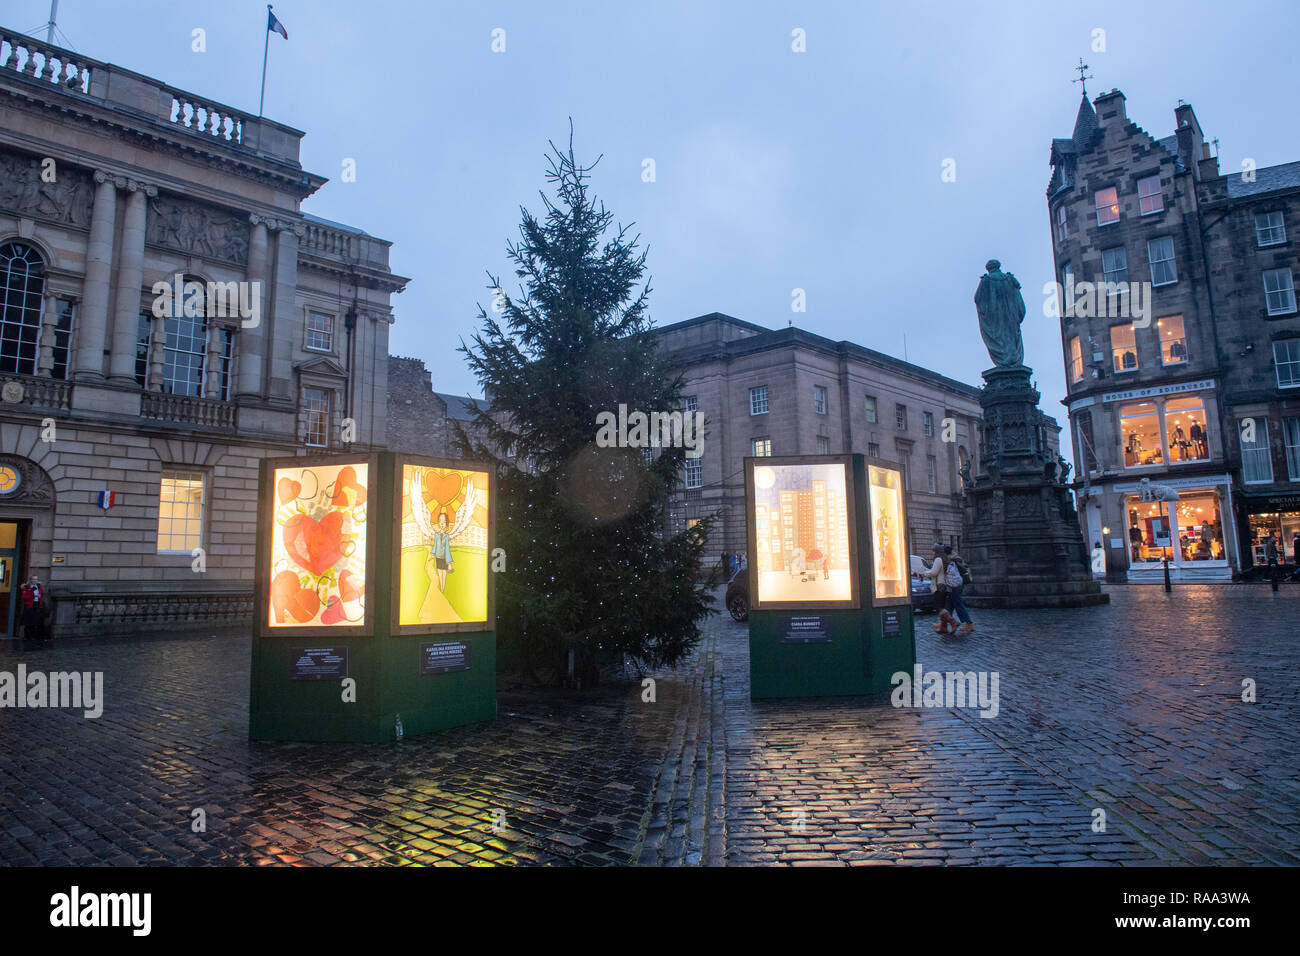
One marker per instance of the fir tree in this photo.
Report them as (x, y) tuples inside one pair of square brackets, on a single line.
[(591, 568)]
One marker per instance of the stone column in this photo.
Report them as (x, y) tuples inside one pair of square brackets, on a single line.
[(251, 341), (130, 275), (92, 323), (157, 354), (212, 375), (280, 337), (49, 325)]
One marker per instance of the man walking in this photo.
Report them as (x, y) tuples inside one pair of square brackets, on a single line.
[(1270, 557)]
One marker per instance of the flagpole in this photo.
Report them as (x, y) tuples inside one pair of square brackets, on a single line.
[(266, 44)]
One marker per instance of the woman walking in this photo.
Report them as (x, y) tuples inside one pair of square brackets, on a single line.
[(956, 575), (938, 575)]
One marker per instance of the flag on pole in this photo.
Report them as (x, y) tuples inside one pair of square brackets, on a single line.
[(274, 25)]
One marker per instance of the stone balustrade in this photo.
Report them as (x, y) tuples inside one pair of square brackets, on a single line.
[(329, 242), (29, 60), (35, 391), (186, 409), (30, 57), (206, 117)]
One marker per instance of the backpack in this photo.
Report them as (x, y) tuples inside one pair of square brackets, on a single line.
[(963, 570)]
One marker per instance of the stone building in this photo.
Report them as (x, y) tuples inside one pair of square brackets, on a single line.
[(131, 427), (1250, 225), (791, 392), (1161, 270), (420, 420)]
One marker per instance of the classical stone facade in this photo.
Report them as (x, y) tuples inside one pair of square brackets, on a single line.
[(790, 392), (1160, 386), (130, 433)]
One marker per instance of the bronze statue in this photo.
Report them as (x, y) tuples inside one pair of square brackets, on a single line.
[(1001, 309)]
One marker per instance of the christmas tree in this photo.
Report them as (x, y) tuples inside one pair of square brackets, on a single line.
[(593, 572)]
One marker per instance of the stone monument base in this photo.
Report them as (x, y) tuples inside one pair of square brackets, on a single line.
[(1021, 533)]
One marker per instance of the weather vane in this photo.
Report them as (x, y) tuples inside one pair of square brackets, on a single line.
[(1083, 78)]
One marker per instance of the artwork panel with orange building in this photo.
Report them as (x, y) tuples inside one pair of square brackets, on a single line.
[(801, 523), (318, 546), (444, 552)]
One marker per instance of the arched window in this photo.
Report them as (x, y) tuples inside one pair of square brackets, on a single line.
[(22, 285), (186, 348)]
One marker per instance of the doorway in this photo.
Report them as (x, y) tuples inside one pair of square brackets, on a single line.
[(11, 569)]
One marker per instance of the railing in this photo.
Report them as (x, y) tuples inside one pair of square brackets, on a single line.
[(40, 61), (206, 118), (61, 68), (142, 609), (329, 242), (186, 409), (35, 391)]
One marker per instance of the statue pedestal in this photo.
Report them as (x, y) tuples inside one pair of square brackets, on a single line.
[(1020, 533)]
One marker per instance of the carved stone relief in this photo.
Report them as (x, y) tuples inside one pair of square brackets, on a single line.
[(198, 229), (24, 192)]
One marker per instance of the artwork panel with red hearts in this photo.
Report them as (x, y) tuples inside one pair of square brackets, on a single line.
[(318, 546)]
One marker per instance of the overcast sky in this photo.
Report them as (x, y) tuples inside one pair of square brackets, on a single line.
[(775, 170)]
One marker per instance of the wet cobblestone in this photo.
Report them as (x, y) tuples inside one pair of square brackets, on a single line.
[(1134, 708)]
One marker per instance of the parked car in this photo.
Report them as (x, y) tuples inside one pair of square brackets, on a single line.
[(922, 592)]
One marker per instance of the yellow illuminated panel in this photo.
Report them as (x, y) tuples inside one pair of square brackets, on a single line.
[(444, 529), (888, 536), (801, 541), (318, 546)]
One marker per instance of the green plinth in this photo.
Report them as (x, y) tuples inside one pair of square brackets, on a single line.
[(388, 671), (858, 659), (821, 651)]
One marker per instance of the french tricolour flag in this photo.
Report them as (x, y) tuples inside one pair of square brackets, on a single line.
[(275, 25)]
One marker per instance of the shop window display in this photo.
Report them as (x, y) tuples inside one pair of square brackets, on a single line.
[(1140, 427), (1185, 430), (1284, 526), (1188, 530)]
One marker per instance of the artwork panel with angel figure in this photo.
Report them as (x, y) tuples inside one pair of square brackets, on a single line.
[(444, 555)]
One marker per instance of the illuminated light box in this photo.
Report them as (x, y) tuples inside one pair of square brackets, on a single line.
[(890, 562), (829, 580), (803, 541), (443, 540), (374, 599), (320, 548)]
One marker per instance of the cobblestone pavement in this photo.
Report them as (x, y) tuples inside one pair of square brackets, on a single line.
[(1134, 709)]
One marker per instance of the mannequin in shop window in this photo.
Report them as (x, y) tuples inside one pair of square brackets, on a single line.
[(1135, 537), (1180, 442), (1197, 435), (1135, 448)]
